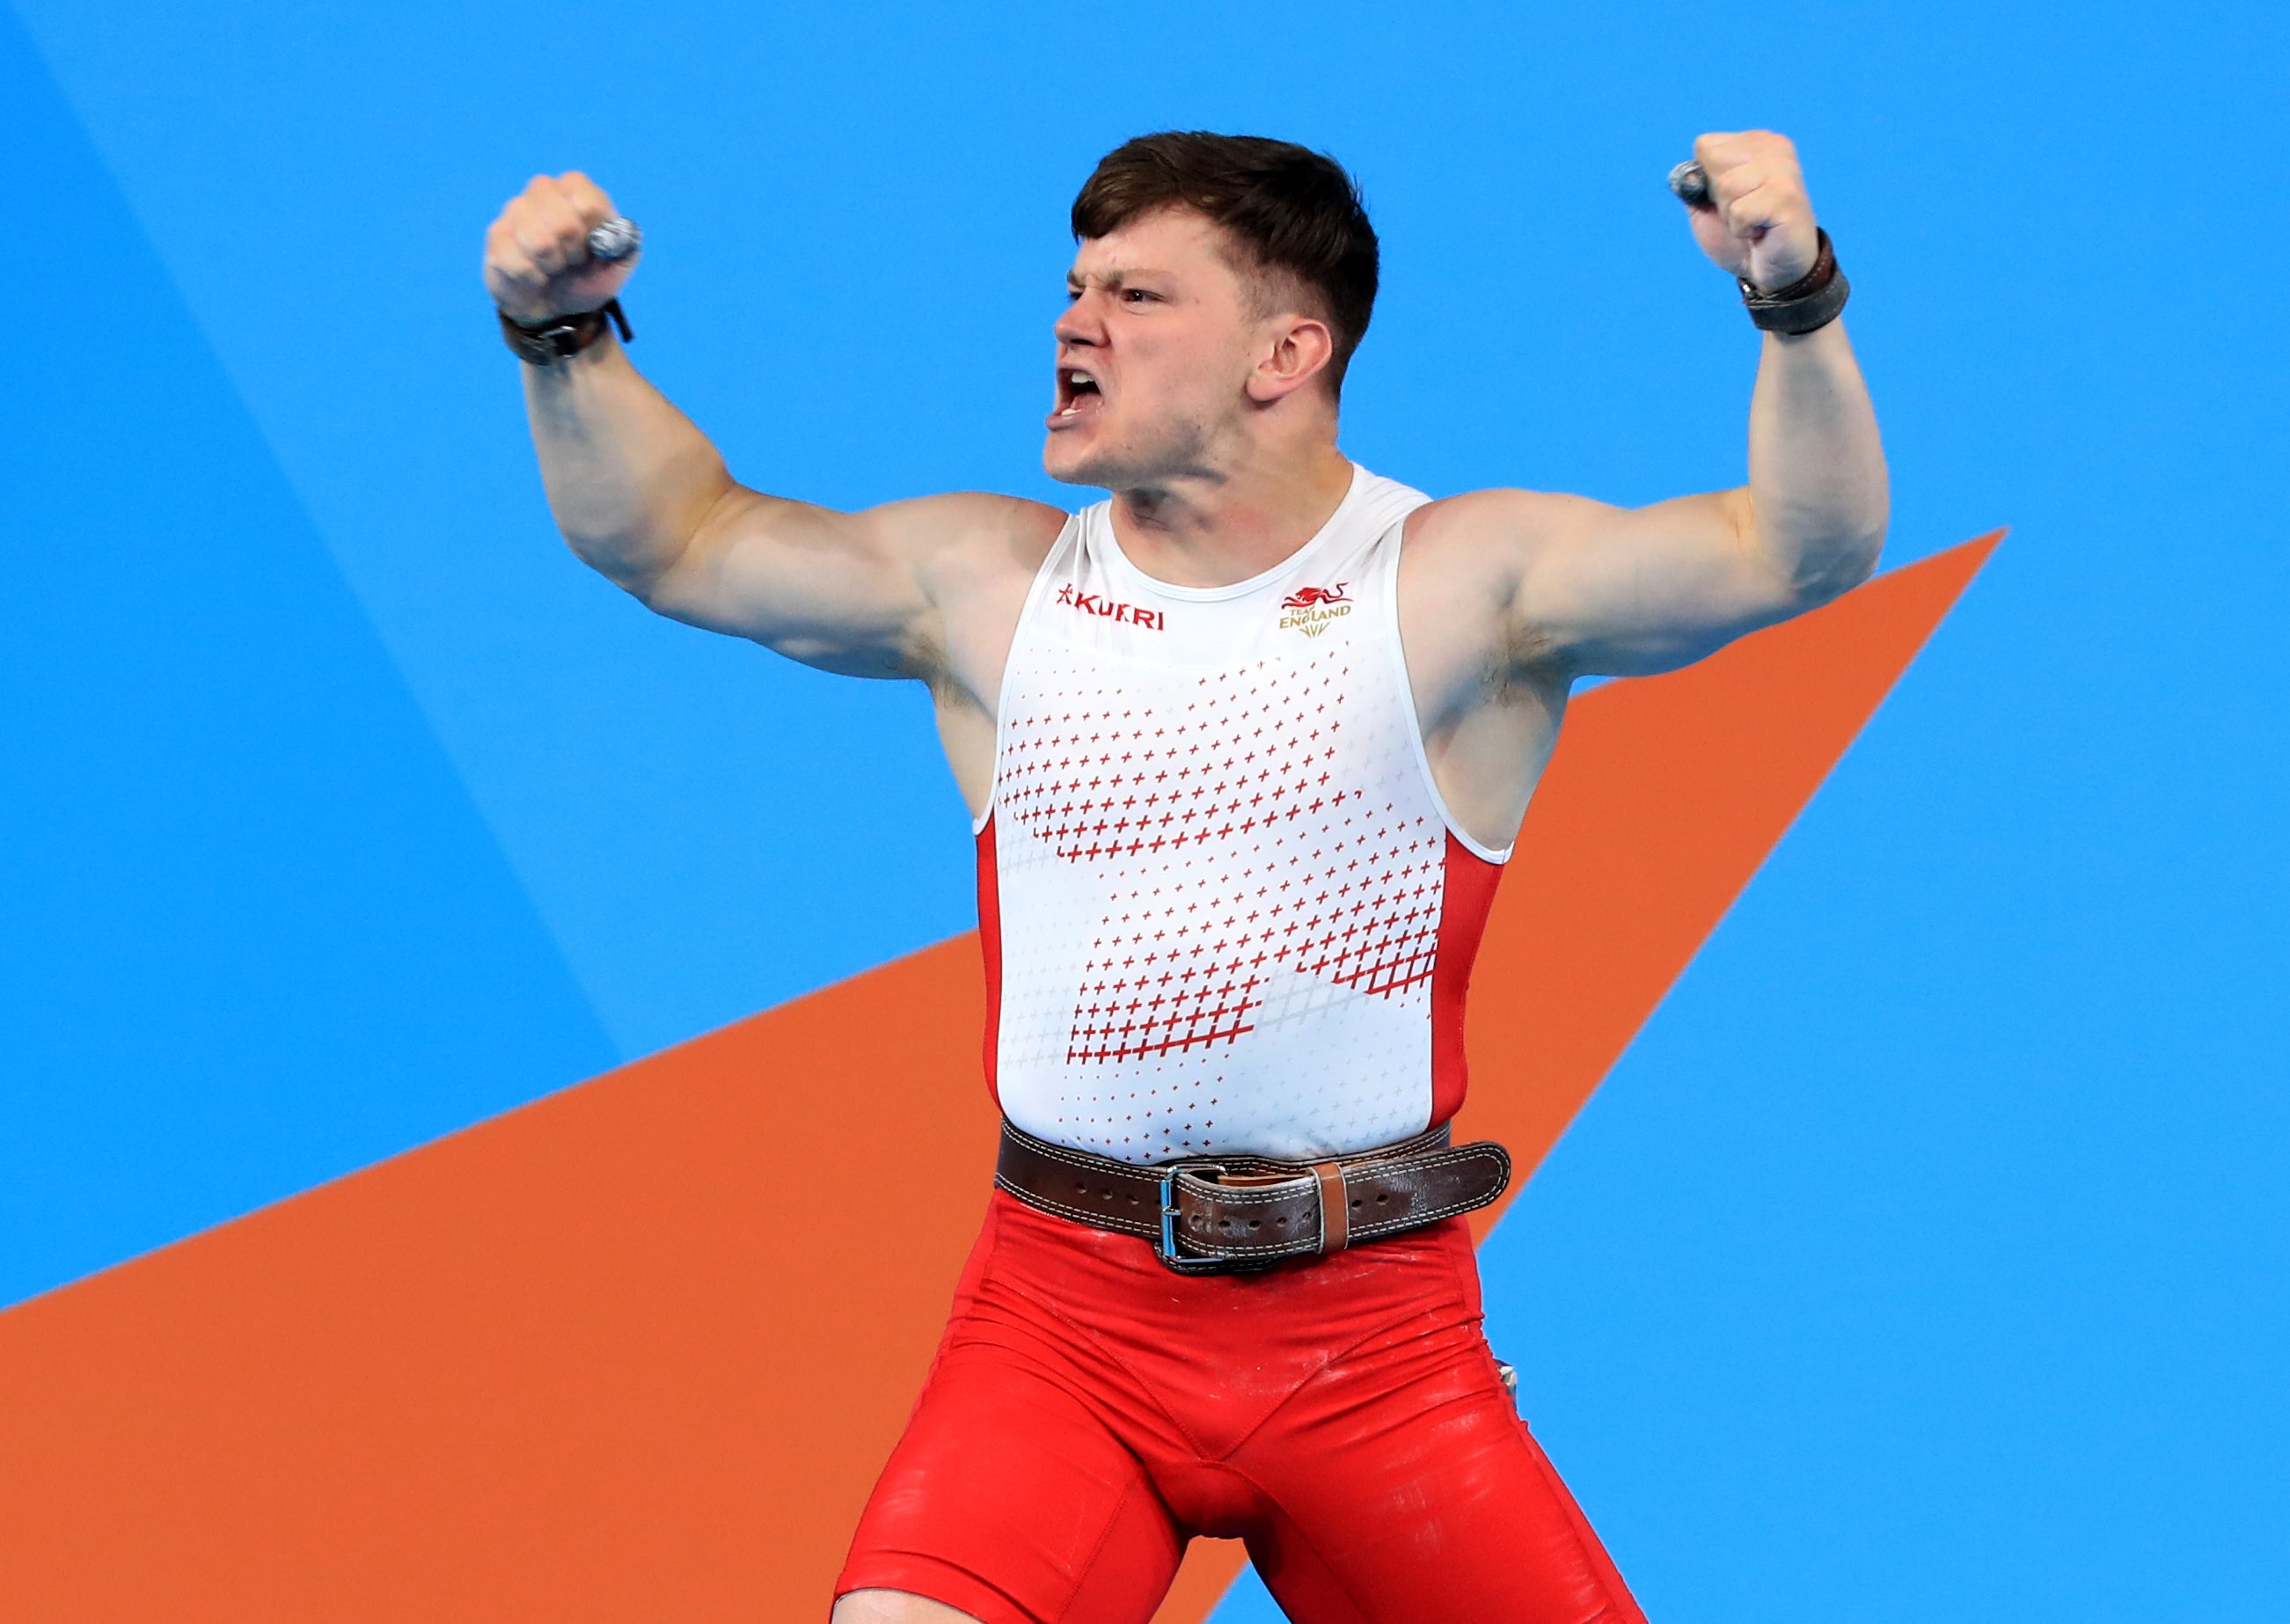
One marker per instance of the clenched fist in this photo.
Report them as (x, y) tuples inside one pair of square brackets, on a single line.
[(1758, 224), (537, 263)]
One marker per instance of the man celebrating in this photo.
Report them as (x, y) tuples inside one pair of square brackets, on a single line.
[(1247, 746)]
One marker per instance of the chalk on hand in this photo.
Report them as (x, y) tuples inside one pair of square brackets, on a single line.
[(614, 239), (1688, 180)]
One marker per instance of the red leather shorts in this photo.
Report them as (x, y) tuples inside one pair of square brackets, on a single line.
[(1089, 1412)]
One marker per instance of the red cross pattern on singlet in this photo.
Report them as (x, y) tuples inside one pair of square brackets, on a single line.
[(1233, 841)]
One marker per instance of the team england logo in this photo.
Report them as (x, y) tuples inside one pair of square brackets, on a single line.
[(1312, 610)]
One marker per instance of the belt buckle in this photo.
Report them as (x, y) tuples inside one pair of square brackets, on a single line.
[(1166, 1250)]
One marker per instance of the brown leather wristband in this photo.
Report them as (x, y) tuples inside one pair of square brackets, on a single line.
[(560, 337), (1812, 302)]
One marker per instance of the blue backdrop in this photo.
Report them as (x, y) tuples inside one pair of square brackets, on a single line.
[(1926, 1258)]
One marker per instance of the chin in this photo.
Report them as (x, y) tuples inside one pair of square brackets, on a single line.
[(1134, 463), (1079, 465)]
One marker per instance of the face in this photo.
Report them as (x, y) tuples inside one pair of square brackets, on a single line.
[(1154, 353)]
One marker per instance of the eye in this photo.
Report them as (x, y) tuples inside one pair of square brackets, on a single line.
[(1137, 296)]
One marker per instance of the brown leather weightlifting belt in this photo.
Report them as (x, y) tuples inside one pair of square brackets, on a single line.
[(1208, 1214)]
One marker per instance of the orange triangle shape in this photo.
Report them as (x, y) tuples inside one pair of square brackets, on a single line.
[(637, 1349)]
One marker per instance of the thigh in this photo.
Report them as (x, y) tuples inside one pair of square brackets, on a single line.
[(894, 1607), (1009, 1500), (1406, 1490)]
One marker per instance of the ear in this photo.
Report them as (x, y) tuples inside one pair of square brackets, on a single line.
[(1298, 349)]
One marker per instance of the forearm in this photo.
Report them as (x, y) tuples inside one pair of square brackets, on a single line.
[(1818, 494), (630, 479)]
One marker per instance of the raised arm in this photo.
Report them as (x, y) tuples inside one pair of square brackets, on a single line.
[(644, 497), (1605, 590)]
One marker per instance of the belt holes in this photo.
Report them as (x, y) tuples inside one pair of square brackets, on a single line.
[(1255, 1223), (1380, 1200)]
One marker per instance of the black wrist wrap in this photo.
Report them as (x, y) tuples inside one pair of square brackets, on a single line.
[(1812, 302), (560, 337)]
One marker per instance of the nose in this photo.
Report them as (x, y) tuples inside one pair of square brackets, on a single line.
[(1080, 323)]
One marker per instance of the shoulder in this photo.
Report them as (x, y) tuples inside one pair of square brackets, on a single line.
[(1518, 521), (1486, 543), (976, 518), (973, 536), (977, 554), (1479, 565)]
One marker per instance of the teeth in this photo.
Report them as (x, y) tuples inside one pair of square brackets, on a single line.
[(1077, 380)]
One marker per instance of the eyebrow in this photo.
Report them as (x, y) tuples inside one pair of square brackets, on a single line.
[(1116, 277)]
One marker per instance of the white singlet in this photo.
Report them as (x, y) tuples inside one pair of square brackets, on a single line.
[(1223, 907)]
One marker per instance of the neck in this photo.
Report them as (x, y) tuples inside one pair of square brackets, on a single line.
[(1215, 528)]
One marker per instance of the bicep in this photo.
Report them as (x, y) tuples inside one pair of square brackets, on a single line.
[(840, 591), (1630, 591)]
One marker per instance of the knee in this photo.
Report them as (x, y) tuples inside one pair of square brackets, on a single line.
[(894, 1607)]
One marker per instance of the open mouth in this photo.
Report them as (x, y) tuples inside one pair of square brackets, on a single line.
[(1078, 393)]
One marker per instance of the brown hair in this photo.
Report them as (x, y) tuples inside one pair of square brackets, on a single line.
[(1292, 212)]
